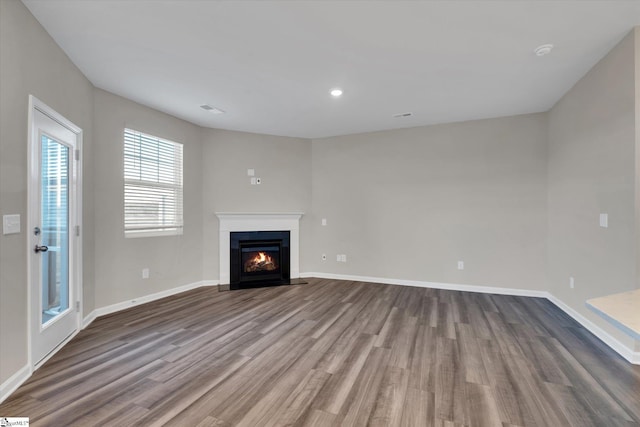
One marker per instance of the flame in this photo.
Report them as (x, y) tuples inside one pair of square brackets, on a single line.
[(261, 257), (260, 262)]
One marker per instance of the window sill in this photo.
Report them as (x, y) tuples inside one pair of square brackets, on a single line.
[(138, 234)]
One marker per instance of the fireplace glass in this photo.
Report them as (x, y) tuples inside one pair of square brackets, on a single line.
[(264, 258)]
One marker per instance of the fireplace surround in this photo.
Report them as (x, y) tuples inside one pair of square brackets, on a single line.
[(253, 222)]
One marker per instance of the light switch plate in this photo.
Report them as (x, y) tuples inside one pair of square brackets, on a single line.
[(251, 172), (10, 224), (604, 220), (324, 221)]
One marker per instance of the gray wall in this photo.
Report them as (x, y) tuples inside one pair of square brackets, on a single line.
[(591, 170), (513, 197), (283, 164), (31, 63), (408, 204), (173, 260)]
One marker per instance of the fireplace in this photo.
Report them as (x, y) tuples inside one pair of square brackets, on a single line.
[(259, 258), (232, 222)]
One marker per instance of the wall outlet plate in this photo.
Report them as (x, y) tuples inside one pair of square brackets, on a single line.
[(460, 265)]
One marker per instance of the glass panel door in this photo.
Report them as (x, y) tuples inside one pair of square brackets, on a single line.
[(54, 205), (54, 261)]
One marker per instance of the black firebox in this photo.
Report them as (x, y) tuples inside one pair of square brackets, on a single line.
[(259, 258)]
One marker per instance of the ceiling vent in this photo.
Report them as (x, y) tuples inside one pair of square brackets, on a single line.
[(543, 50), (212, 110), (395, 116)]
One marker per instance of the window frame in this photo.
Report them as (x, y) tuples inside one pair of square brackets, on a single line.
[(171, 229)]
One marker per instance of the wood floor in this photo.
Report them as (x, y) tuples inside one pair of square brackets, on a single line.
[(333, 353)]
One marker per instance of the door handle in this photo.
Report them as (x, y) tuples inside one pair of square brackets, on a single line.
[(41, 248)]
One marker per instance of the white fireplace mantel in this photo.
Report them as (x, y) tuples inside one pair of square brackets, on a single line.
[(250, 221)]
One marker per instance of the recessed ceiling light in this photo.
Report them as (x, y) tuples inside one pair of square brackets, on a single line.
[(212, 110), (543, 50), (336, 92)]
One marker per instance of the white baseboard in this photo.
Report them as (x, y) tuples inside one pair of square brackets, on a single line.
[(25, 372), (148, 298), (88, 319), (14, 381), (10, 385), (55, 350), (434, 285), (627, 353)]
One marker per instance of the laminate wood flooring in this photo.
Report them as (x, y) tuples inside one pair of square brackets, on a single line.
[(332, 353)]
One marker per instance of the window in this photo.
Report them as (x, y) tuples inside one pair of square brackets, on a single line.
[(152, 185)]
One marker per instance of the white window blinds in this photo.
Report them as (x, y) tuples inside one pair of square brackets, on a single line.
[(152, 185)]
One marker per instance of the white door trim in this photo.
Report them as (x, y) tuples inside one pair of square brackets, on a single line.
[(32, 162)]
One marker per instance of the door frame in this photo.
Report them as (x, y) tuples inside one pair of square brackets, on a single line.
[(33, 203)]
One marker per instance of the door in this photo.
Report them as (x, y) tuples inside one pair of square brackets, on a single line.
[(53, 231)]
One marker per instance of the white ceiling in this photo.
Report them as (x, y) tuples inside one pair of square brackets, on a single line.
[(270, 64)]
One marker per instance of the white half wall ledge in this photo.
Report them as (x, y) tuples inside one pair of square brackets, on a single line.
[(258, 221), (629, 354), (622, 310)]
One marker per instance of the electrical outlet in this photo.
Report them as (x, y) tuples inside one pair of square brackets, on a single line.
[(460, 265), (344, 258), (572, 283), (324, 221), (324, 257), (338, 257), (254, 180), (251, 172), (145, 273)]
